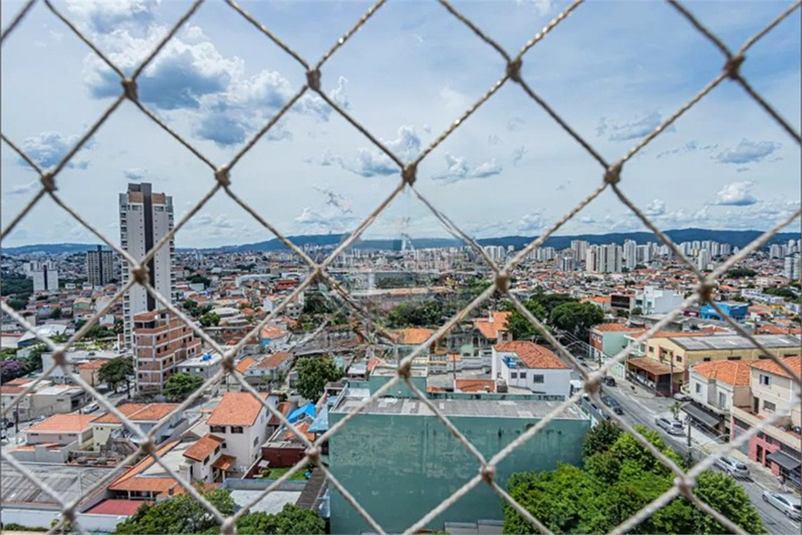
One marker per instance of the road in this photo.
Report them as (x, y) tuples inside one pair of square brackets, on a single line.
[(640, 410)]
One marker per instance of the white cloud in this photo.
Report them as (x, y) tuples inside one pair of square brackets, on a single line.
[(747, 151), (633, 129), (655, 208), (23, 189), (735, 194), (49, 148), (458, 169), (373, 162), (518, 154)]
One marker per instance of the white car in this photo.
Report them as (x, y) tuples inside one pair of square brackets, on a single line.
[(92, 407), (787, 503), (732, 467), (672, 427), (680, 396)]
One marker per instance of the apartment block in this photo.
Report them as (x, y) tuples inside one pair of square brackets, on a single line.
[(652, 300), (146, 217), (99, 266), (161, 343), (44, 275)]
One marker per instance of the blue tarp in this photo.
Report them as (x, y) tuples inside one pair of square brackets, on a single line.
[(321, 423), (306, 410)]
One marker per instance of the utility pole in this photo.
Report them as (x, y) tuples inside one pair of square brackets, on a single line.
[(690, 456)]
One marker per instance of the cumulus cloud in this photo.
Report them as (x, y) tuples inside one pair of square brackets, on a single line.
[(459, 169), (335, 215), (338, 94), (518, 154), (531, 222), (103, 16), (735, 194), (493, 139), (747, 151), (49, 148), (135, 173), (690, 146), (655, 208), (373, 162), (634, 129), (515, 124)]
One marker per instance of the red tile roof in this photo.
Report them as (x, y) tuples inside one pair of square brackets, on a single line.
[(475, 385), (237, 408), (243, 365), (63, 423), (153, 412), (274, 361), (490, 329), (412, 336), (224, 462), (533, 355), (203, 448), (128, 409), (732, 372), (116, 507), (768, 365), (615, 327)]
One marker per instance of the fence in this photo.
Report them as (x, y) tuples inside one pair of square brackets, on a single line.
[(222, 176)]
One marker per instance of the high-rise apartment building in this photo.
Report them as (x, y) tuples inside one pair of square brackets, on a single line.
[(703, 259), (775, 251), (145, 218), (630, 254), (792, 266), (44, 275), (161, 341), (580, 248), (99, 266)]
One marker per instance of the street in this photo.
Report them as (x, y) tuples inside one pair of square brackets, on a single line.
[(641, 408)]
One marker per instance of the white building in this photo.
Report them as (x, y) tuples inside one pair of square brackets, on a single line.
[(720, 385), (99, 266), (775, 251), (654, 301), (524, 364), (792, 266), (630, 254), (145, 218), (44, 275), (241, 420), (205, 366), (703, 259)]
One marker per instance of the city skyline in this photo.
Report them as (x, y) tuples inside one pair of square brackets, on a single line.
[(323, 177)]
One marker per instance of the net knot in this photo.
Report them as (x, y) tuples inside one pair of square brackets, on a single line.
[(593, 383), (685, 485), (313, 454), (228, 364), (705, 292), (488, 472), (733, 66), (130, 89), (514, 69), (140, 275), (313, 79), (405, 369), (409, 173), (60, 358), (223, 176), (228, 527), (613, 174), (49, 181), (503, 282)]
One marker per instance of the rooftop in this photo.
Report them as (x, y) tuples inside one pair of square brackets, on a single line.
[(533, 355), (63, 423), (237, 408), (488, 408), (615, 327), (69, 481), (719, 342), (274, 360), (768, 365), (732, 372), (203, 448)]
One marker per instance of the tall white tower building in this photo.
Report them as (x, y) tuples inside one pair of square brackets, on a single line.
[(145, 218), (630, 254)]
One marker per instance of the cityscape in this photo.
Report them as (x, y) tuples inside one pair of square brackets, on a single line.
[(272, 268)]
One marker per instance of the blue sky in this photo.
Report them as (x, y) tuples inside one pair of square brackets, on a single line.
[(613, 70)]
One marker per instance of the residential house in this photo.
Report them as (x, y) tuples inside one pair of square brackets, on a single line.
[(773, 389), (108, 429), (715, 387), (273, 367), (206, 366), (88, 371), (241, 420), (51, 440), (205, 461), (524, 364)]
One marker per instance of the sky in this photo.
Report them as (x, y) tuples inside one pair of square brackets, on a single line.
[(613, 70)]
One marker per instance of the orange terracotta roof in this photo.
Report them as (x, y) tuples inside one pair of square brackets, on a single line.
[(11, 389), (146, 316), (650, 365), (272, 332), (615, 327), (153, 412), (129, 481), (243, 365), (732, 372), (533, 355), (284, 407), (475, 385), (128, 409), (63, 423), (224, 462), (93, 364), (237, 408), (204, 447), (117, 507), (303, 428), (412, 336), (274, 361), (768, 365), (490, 329)]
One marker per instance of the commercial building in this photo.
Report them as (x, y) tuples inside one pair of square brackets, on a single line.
[(146, 217), (162, 342), (735, 310), (397, 439), (44, 275), (524, 364), (652, 300), (792, 267), (99, 266)]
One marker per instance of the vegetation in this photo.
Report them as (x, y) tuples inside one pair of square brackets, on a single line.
[(13, 366), (15, 284), (194, 310), (313, 374), (197, 278), (209, 319), (115, 372), (618, 479), (520, 327), (97, 331), (180, 385), (783, 291), (291, 520), (637, 311), (576, 318), (741, 273)]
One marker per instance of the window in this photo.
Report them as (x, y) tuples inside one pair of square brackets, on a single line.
[(206, 460), (698, 388), (733, 358), (513, 375), (722, 399), (236, 430), (765, 380), (679, 359), (255, 441), (217, 429), (537, 378), (706, 359), (769, 406), (522, 375)]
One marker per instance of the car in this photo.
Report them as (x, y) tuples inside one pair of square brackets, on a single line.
[(609, 381), (787, 503), (681, 396), (672, 427), (613, 404), (732, 467), (3, 434), (92, 407)]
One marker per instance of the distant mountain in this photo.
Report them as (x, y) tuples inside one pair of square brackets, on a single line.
[(738, 238)]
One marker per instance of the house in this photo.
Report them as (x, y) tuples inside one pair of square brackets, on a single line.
[(777, 447), (206, 366), (525, 364), (107, 428), (488, 332), (51, 440), (88, 371), (204, 460), (715, 387), (608, 340), (406, 341), (241, 420)]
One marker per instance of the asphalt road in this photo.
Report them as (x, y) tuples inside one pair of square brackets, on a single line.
[(638, 413)]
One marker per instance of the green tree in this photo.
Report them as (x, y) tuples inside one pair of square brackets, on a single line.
[(317, 303), (18, 303), (209, 319), (177, 515), (291, 520), (200, 279), (520, 327), (313, 374), (740, 273), (55, 314), (576, 318), (14, 283), (191, 306), (181, 385), (115, 371), (600, 438), (637, 311), (725, 495)]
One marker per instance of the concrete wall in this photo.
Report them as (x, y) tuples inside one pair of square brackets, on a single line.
[(401, 466), (282, 457), (30, 518)]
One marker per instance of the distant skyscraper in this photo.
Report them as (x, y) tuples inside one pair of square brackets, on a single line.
[(703, 259), (792, 266), (580, 248), (775, 251), (99, 266), (145, 218), (725, 250), (591, 256), (45, 276), (630, 254)]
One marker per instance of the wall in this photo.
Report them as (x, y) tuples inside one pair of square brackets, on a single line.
[(31, 518), (413, 463), (282, 457), (242, 445), (782, 392)]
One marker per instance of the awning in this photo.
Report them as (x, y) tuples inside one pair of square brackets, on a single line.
[(696, 413), (224, 462), (784, 460), (650, 365)]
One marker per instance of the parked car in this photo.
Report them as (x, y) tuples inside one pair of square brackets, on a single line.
[(3, 434), (92, 407), (613, 404), (680, 396), (672, 427), (733, 467), (787, 503), (609, 381)]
